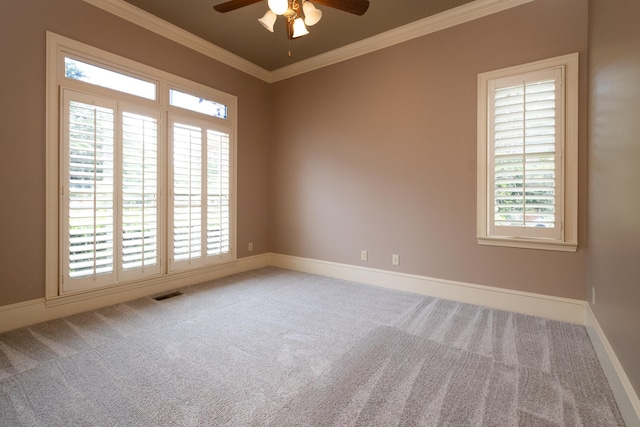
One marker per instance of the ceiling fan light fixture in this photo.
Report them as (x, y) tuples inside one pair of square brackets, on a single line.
[(297, 13), (311, 14), (299, 29), (268, 20), (278, 7)]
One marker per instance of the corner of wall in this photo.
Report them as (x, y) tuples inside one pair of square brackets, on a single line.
[(626, 397)]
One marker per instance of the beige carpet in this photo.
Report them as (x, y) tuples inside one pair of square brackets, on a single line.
[(281, 348)]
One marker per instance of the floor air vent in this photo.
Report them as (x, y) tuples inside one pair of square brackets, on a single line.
[(167, 296)]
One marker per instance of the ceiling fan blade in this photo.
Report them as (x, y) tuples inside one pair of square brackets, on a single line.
[(233, 5), (357, 7)]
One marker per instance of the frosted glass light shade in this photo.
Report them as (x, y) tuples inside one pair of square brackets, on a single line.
[(268, 20), (299, 29), (311, 14), (278, 7)]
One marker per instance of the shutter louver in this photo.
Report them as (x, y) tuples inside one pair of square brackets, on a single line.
[(91, 190), (187, 192), (139, 191), (525, 155)]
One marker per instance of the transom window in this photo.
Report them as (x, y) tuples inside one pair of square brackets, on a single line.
[(194, 103), (79, 70)]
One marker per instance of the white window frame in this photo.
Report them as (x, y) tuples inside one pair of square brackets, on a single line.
[(59, 47), (567, 238)]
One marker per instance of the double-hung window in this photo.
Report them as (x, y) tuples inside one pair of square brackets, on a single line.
[(141, 172), (527, 155)]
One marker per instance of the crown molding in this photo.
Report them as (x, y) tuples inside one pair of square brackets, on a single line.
[(450, 18), (150, 22)]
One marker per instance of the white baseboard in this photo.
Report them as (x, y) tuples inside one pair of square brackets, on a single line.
[(563, 309), (555, 308), (626, 397), (27, 313)]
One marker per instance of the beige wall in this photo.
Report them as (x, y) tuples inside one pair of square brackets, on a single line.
[(613, 267), (379, 153), (23, 25), (376, 153)]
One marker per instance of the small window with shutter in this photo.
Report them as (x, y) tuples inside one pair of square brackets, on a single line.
[(527, 148)]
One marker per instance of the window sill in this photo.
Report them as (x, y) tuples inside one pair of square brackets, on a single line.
[(524, 243)]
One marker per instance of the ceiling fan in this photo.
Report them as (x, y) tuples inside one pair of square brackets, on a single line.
[(293, 11), (357, 7)]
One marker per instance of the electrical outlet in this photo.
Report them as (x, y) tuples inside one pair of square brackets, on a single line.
[(364, 256), (593, 296), (250, 246), (395, 259)]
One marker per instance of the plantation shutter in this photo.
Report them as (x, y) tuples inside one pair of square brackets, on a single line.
[(187, 193), (88, 201), (140, 205), (200, 225), (218, 193), (526, 140)]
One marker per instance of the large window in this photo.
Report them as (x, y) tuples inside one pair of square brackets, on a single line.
[(141, 165), (527, 155)]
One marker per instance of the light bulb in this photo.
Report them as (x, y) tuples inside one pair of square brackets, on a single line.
[(278, 7)]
